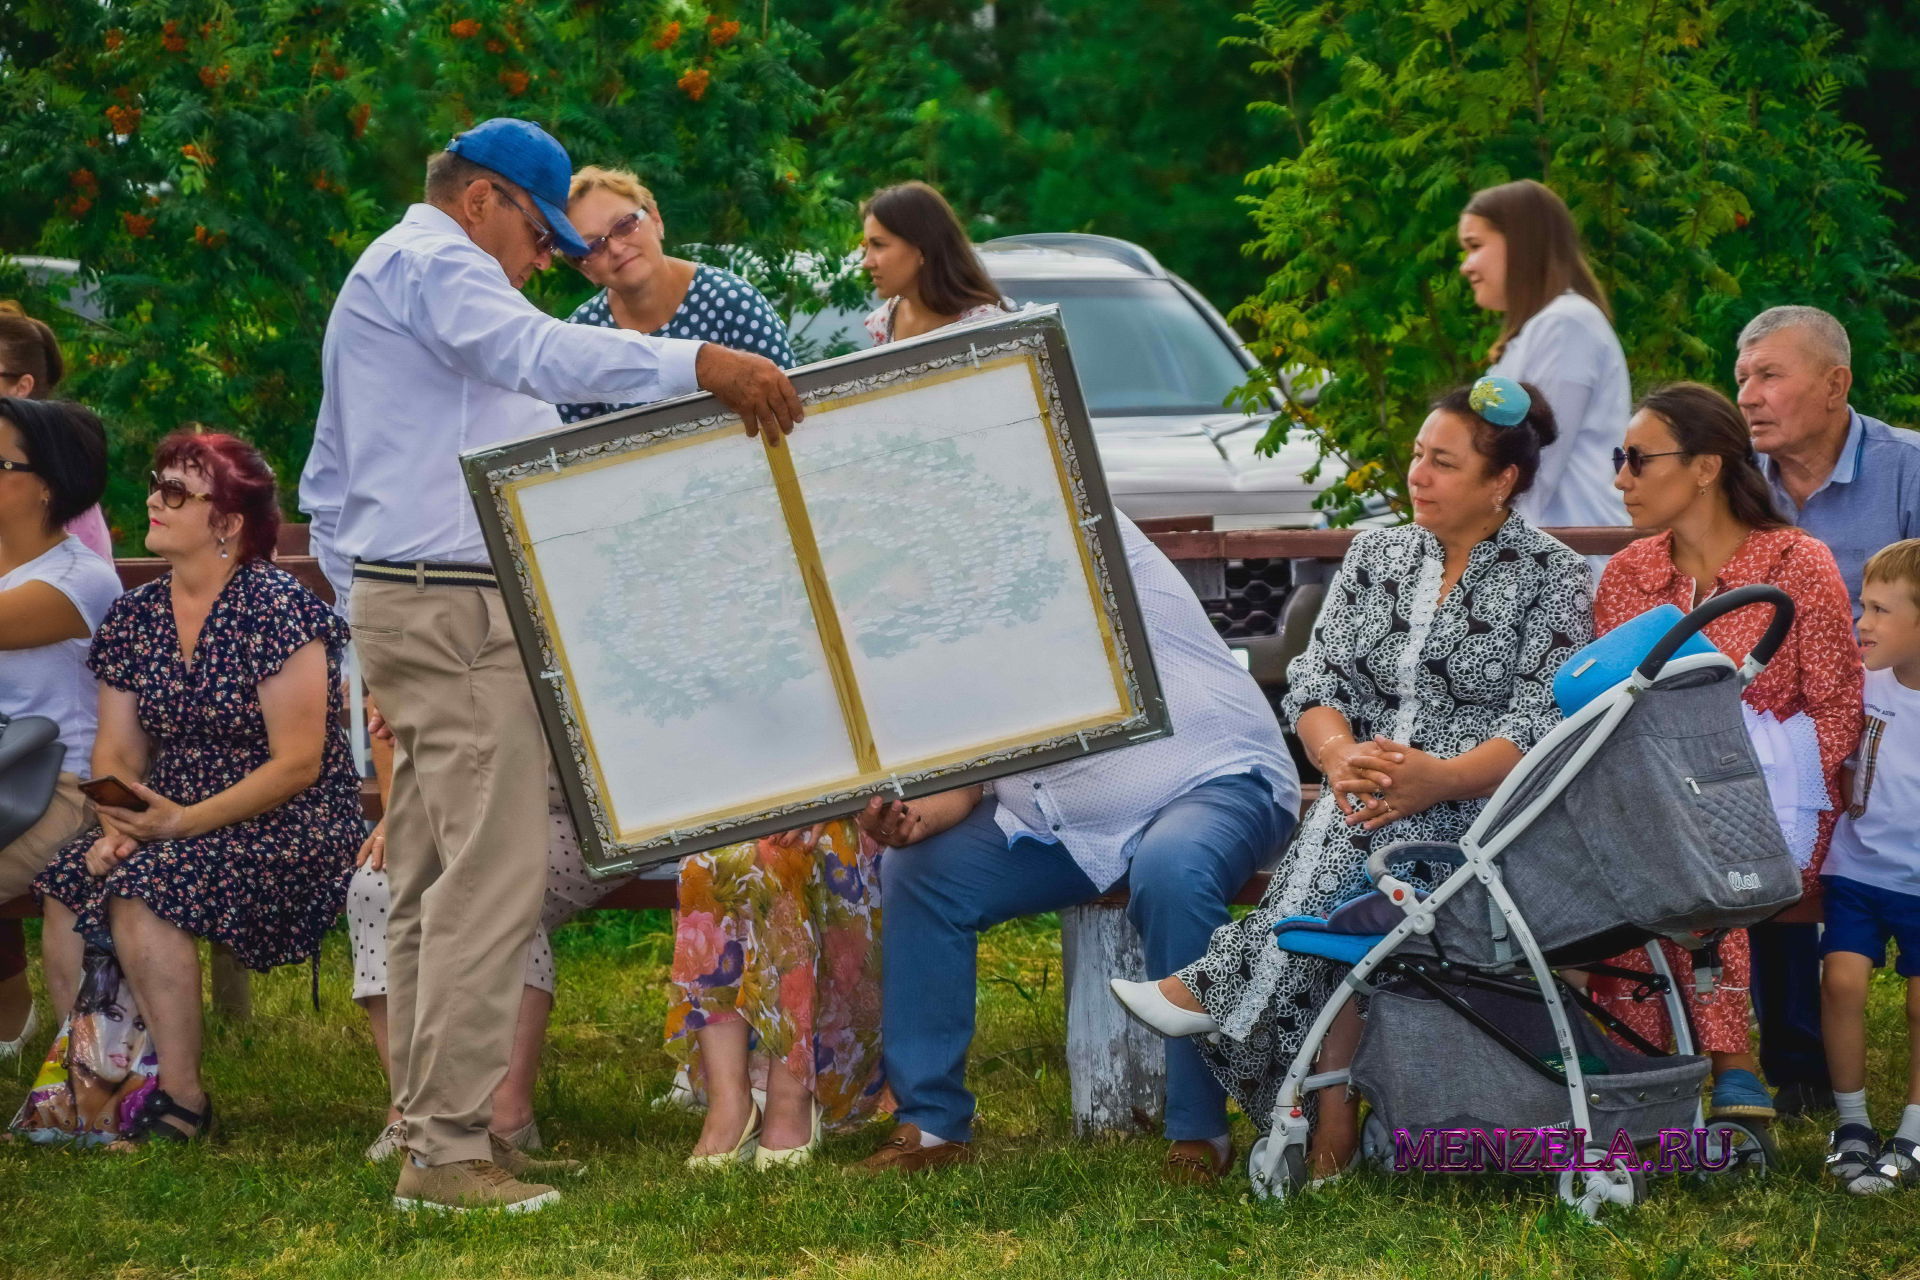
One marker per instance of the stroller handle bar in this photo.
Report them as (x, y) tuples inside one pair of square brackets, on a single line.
[(1713, 610)]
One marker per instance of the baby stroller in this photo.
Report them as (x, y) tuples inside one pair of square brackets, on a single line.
[(1642, 816)]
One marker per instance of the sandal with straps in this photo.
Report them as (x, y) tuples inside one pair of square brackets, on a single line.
[(151, 1124)]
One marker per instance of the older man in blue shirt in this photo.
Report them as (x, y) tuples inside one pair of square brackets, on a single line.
[(1854, 483), (1851, 481)]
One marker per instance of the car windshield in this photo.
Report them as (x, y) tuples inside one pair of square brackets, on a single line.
[(1139, 345)]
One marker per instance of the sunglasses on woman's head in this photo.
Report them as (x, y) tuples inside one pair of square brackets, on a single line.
[(1635, 460), (620, 230), (174, 494), (8, 464)]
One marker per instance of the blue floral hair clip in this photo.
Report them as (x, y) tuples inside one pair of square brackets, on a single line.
[(1501, 401)]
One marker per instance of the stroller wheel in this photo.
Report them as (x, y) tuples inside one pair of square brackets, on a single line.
[(1287, 1175), (1591, 1191), (1750, 1152)]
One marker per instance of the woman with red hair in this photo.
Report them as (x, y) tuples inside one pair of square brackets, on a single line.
[(219, 710)]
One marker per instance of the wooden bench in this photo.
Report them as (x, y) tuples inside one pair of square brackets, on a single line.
[(1116, 1068)]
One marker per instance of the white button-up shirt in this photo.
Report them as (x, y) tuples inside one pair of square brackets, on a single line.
[(431, 351), (1098, 805)]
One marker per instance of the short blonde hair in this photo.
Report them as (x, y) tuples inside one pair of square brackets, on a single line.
[(622, 182), (1898, 562)]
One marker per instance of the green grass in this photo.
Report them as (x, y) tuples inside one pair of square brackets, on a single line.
[(284, 1193)]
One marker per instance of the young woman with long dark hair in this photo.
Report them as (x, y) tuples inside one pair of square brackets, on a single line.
[(922, 264)]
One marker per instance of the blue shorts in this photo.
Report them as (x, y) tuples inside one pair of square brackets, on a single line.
[(1861, 917)]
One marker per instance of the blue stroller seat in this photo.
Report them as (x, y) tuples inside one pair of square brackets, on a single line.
[(1358, 925), (1346, 934)]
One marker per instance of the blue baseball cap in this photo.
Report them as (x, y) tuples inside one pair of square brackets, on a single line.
[(529, 157)]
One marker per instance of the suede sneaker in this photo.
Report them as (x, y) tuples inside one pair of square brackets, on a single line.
[(902, 1153), (519, 1163), (465, 1186)]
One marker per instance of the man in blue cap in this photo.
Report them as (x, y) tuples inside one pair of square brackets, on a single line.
[(431, 350)]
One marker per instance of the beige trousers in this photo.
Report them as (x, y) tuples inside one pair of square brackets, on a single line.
[(467, 848), (68, 814)]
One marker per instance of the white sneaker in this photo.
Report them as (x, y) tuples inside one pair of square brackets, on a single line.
[(1147, 1004), (15, 1047)]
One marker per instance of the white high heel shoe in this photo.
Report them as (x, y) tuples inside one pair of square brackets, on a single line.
[(789, 1157), (743, 1151), (1145, 1001)]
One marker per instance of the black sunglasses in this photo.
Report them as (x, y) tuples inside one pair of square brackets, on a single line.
[(1635, 461), (8, 464), (543, 238), (620, 230), (174, 494)]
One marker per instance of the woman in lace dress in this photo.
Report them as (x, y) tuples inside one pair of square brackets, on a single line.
[(1430, 672)]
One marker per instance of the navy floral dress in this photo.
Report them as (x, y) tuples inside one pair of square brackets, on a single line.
[(267, 887)]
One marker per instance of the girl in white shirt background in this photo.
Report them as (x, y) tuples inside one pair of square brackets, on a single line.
[(1523, 259)]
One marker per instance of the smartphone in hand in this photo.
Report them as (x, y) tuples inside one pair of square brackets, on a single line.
[(113, 792)]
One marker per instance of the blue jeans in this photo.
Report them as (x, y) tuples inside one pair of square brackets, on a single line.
[(936, 897)]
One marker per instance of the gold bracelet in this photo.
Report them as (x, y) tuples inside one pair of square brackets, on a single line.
[(1344, 733)]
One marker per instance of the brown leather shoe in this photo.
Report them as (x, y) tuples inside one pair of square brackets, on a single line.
[(902, 1153), (1194, 1163)]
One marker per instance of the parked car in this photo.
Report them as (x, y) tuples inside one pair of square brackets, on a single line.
[(1156, 363)]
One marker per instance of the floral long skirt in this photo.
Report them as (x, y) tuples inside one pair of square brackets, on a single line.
[(1720, 1020), (789, 940)]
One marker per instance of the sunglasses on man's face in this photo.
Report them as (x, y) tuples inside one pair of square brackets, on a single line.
[(1634, 459), (174, 494), (543, 239), (620, 230)]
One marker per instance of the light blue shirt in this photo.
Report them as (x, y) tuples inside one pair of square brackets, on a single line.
[(431, 351), (1098, 805), (1871, 500)]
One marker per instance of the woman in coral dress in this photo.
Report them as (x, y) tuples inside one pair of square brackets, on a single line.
[(1687, 469)]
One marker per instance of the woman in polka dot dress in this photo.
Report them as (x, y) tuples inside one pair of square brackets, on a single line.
[(775, 974), (642, 288)]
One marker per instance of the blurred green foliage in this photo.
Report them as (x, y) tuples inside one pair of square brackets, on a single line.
[(1700, 146), (214, 166)]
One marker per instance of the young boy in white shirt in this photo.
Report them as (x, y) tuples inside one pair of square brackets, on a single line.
[(1871, 878)]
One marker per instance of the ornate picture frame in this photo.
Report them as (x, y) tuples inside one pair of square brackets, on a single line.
[(921, 588)]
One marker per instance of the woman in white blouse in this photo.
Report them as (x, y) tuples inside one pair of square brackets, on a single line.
[(1523, 258)]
